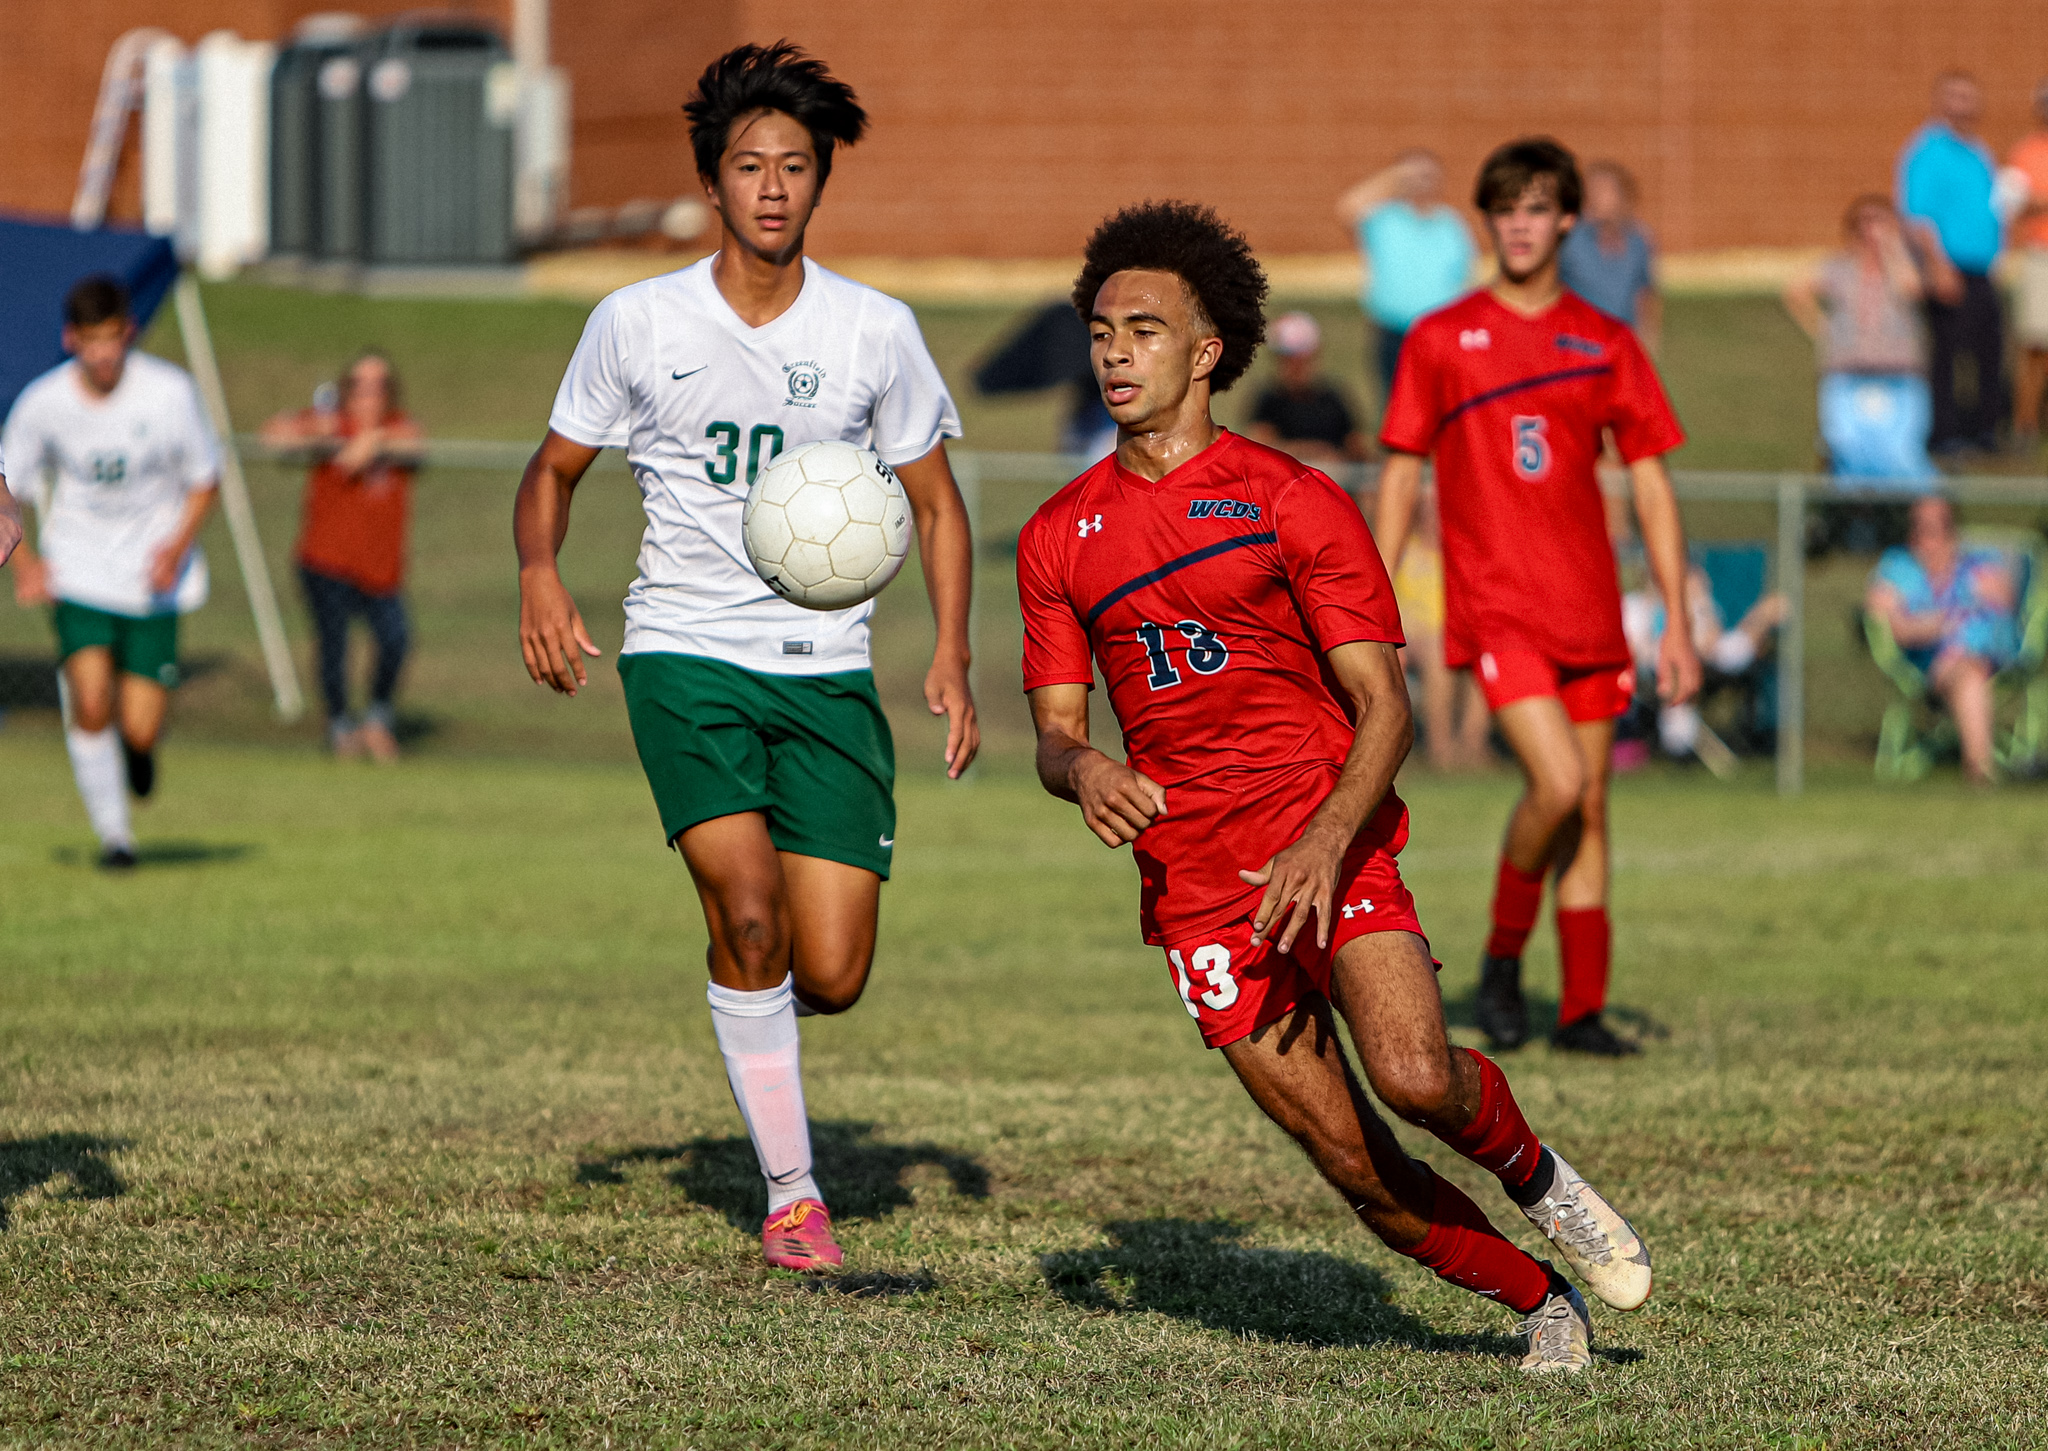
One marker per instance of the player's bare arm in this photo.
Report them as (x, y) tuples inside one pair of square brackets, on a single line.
[(1393, 511), (552, 636), (169, 558), (1678, 664), (1301, 879), (12, 532), (945, 545), (1116, 801)]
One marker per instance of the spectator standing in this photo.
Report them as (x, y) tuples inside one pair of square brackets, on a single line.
[(1947, 178), (1952, 610), (352, 541), (2029, 164), (1862, 308), (1418, 251), (1303, 412), (1608, 258)]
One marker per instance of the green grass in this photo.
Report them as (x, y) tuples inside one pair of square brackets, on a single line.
[(381, 1108)]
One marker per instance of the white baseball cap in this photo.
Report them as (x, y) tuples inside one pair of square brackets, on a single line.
[(1294, 335)]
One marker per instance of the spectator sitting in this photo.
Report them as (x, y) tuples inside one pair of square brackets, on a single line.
[(1607, 258), (1954, 613), (2027, 175), (1303, 412), (1947, 178), (1725, 652), (351, 550), (1418, 250), (1861, 308), (1456, 724)]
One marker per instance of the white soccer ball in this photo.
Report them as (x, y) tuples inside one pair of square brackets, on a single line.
[(827, 525)]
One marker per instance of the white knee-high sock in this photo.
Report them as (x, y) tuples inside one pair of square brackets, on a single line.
[(102, 780), (757, 1037)]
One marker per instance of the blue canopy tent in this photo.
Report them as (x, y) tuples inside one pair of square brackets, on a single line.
[(39, 262)]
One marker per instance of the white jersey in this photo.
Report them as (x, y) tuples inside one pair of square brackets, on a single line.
[(109, 478), (701, 403)]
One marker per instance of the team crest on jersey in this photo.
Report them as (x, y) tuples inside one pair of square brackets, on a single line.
[(1222, 509), (1579, 345), (804, 380), (1475, 339)]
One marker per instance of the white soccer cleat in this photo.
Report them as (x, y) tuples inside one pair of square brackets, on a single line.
[(1602, 1248), (1560, 1336)]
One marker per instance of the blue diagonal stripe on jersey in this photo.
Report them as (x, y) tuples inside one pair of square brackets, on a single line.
[(1174, 566), (1564, 375)]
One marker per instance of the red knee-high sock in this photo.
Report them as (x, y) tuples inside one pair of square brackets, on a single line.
[(1464, 1248), (1585, 945), (1499, 1140), (1517, 897)]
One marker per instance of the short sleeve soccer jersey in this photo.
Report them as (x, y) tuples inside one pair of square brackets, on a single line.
[(701, 402), (1514, 409), (1208, 599), (109, 478)]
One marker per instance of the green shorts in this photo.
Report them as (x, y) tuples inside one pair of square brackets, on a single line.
[(147, 646), (810, 752)]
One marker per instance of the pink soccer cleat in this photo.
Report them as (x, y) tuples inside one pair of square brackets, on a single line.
[(800, 1238)]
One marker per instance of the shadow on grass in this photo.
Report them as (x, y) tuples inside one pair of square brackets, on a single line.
[(1202, 1272), (862, 1178), (165, 854), (27, 1164), (1634, 1022)]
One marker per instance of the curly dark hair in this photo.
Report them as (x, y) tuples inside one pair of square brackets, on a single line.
[(778, 77), (1209, 256), (1512, 169)]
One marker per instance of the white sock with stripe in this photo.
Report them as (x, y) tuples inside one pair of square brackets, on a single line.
[(103, 782), (758, 1039)]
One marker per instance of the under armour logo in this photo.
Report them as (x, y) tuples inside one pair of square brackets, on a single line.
[(1352, 909), (1475, 339), (1088, 524)]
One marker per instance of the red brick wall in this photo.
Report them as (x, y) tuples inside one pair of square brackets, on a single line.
[(1008, 130)]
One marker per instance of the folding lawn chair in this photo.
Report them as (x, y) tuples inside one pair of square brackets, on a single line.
[(1917, 730)]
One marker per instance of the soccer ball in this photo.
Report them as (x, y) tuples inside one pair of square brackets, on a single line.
[(827, 525)]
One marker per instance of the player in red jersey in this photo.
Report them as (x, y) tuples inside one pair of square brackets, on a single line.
[(1241, 617), (1513, 389)]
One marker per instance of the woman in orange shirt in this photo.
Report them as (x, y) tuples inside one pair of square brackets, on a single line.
[(351, 549)]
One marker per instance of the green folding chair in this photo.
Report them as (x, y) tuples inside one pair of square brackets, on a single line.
[(1917, 730)]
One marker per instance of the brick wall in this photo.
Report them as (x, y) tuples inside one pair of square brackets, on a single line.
[(1006, 131)]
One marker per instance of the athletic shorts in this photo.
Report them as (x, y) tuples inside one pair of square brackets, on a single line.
[(812, 753), (1232, 989), (145, 646), (1599, 692)]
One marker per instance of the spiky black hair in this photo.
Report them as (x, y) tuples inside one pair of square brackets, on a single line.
[(778, 77), (1209, 256)]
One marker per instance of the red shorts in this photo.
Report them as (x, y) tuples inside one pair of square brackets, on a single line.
[(1599, 692), (1232, 989)]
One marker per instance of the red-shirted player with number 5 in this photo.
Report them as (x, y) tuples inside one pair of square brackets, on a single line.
[(1512, 388), (1245, 626)]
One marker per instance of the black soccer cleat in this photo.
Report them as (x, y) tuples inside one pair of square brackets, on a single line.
[(118, 859), (1501, 1013), (141, 771), (1590, 1035)]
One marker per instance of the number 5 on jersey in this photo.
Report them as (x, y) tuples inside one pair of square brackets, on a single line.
[(1532, 448)]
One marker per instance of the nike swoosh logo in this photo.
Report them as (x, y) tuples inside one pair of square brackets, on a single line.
[(887, 840), (691, 374)]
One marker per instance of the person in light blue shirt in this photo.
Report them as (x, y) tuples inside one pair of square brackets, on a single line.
[(1608, 259), (1947, 178), (1418, 250)]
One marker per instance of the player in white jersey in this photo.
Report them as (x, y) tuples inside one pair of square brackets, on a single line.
[(115, 453), (757, 721)]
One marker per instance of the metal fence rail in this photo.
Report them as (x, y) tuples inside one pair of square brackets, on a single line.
[(1790, 495)]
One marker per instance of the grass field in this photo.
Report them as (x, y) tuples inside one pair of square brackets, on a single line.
[(381, 1108)]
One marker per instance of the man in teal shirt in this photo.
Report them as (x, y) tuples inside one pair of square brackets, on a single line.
[(1418, 251), (1947, 178)]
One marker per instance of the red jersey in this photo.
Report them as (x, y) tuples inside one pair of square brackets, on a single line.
[(355, 524), (1208, 599), (1513, 407)]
